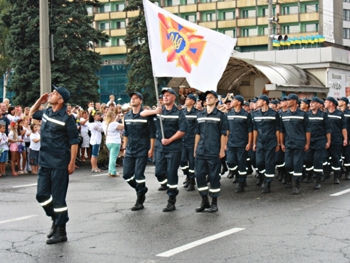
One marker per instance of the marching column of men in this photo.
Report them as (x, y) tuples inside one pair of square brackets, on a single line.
[(282, 134)]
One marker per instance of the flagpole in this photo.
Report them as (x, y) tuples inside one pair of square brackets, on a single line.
[(160, 116)]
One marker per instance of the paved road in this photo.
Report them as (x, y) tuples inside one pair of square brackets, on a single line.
[(249, 227)]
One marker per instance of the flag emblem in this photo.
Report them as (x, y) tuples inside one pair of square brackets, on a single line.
[(181, 43)]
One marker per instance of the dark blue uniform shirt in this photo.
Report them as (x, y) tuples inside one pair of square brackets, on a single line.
[(139, 131), (266, 124), (191, 118), (294, 125), (210, 127), (58, 132), (338, 123), (173, 120), (347, 119), (239, 125), (320, 126)]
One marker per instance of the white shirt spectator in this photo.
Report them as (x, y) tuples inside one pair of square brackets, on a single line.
[(34, 145), (95, 129), (84, 128), (112, 134)]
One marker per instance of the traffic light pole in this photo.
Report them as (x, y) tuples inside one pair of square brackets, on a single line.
[(45, 65), (269, 46)]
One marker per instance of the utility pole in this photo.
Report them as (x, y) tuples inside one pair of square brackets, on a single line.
[(269, 47), (45, 65)]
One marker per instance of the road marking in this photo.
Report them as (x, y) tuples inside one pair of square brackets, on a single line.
[(188, 246), (97, 175), (24, 185), (341, 193), (17, 219)]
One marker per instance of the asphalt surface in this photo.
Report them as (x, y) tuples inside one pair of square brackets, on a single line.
[(249, 227)]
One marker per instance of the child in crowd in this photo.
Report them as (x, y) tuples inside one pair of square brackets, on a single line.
[(95, 127), (14, 141), (28, 131), (3, 149), (84, 131), (34, 148), (22, 148)]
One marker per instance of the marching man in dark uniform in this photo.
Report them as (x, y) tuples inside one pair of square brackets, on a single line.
[(209, 148), (295, 140), (265, 141), (319, 142), (58, 151), (343, 106), (339, 137), (240, 136), (139, 141), (169, 148), (187, 157)]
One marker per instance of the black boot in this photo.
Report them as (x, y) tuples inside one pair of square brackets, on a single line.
[(163, 187), (187, 182), (266, 188), (52, 229), (288, 180), (317, 183), (309, 177), (260, 179), (205, 204), (171, 204), (230, 174), (234, 177), (139, 201), (336, 177), (296, 187), (224, 168), (326, 173), (191, 185), (214, 205), (347, 174), (239, 187), (279, 174), (59, 236)]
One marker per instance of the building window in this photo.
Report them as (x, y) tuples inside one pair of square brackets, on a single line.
[(231, 32), (266, 31), (346, 33), (191, 18), (105, 8), (210, 17), (172, 2), (190, 2), (104, 25), (89, 10), (120, 24), (119, 7), (291, 29), (290, 10), (248, 13), (311, 27), (311, 8), (265, 12), (346, 1), (346, 14), (229, 15), (249, 32), (120, 42)]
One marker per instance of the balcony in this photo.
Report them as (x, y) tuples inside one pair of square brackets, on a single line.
[(188, 8), (118, 32), (263, 20), (101, 16), (289, 18), (252, 41), (245, 3), (309, 17), (172, 9), (103, 1), (226, 23), (206, 6), (226, 5), (211, 24), (118, 15), (110, 50), (246, 22), (133, 13)]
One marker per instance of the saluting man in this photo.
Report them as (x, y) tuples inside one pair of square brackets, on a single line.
[(209, 148), (139, 141), (58, 151), (187, 157)]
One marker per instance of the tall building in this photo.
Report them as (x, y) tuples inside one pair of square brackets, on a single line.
[(246, 20)]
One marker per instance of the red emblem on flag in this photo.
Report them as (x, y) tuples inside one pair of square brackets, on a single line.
[(181, 43)]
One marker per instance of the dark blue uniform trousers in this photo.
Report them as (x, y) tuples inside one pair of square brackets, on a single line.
[(294, 159), (314, 160), (335, 152), (51, 193), (237, 160), (167, 165), (265, 162), (187, 161), (346, 154), (210, 167), (134, 172)]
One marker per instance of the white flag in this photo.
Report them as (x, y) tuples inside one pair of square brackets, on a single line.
[(180, 48)]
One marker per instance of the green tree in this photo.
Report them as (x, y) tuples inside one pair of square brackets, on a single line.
[(4, 57), (140, 75), (75, 61)]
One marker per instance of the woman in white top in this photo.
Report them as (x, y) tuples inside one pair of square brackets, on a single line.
[(84, 129), (95, 127), (112, 129)]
